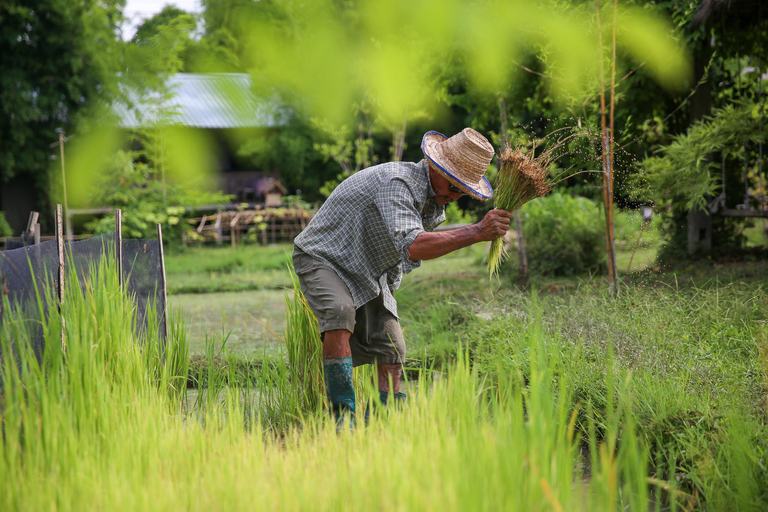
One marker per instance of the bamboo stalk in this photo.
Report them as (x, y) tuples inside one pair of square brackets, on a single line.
[(611, 155), (606, 152)]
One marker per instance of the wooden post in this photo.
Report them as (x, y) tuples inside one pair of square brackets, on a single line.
[(60, 287), (217, 228), (162, 272), (29, 234), (233, 228), (63, 139), (119, 245), (37, 234)]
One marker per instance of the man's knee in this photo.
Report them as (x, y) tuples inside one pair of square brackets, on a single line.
[(337, 316)]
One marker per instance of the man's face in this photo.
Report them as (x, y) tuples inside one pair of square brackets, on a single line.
[(445, 191)]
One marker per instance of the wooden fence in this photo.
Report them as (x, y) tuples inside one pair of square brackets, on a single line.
[(260, 225)]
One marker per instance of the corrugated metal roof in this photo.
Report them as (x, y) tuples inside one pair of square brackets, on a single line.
[(216, 100)]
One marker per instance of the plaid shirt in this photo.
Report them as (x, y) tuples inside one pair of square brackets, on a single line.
[(365, 227)]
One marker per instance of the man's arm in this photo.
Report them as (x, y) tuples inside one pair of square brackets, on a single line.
[(428, 245)]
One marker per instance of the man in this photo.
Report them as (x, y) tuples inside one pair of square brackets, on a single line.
[(376, 226)]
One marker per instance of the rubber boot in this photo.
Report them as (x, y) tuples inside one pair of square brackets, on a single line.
[(398, 398), (338, 384)]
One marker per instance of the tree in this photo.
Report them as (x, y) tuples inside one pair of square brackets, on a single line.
[(150, 27), (55, 59), (214, 52)]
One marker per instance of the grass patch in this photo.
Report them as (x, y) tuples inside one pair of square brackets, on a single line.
[(222, 269), (239, 317)]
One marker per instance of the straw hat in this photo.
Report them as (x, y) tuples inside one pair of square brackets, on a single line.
[(462, 159)]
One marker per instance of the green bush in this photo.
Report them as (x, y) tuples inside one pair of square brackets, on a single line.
[(136, 188), (564, 235), (455, 215), (5, 228)]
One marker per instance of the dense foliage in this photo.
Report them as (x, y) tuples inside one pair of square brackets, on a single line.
[(712, 166), (56, 56), (146, 200), (306, 60), (5, 228)]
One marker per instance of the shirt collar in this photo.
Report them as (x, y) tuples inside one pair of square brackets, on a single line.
[(430, 190)]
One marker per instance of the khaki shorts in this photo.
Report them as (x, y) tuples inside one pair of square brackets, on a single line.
[(376, 334)]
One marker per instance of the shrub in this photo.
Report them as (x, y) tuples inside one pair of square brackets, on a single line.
[(564, 235)]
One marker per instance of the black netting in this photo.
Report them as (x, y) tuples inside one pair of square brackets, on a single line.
[(31, 272), (143, 279)]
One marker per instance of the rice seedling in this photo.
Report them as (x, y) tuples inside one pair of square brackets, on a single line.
[(521, 178)]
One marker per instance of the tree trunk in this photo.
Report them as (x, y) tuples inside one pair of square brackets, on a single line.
[(398, 142), (699, 231)]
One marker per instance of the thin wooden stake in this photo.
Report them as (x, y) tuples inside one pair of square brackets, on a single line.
[(60, 287), (119, 244), (162, 272), (63, 139), (611, 155)]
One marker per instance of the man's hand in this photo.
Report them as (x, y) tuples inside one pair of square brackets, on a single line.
[(494, 224), (433, 245)]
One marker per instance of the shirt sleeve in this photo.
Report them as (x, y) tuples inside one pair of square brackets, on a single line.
[(398, 208)]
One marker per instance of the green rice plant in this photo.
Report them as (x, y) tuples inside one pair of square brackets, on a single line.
[(304, 350), (521, 177), (97, 431), (578, 409), (305, 354)]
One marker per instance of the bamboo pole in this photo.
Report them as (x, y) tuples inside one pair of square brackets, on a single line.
[(119, 245), (606, 151), (162, 273), (60, 283)]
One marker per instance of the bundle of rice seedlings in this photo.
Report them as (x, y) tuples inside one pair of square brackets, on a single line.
[(521, 178)]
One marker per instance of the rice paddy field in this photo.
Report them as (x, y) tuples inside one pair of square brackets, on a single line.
[(557, 396)]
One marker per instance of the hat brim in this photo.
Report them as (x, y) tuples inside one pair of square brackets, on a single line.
[(481, 190)]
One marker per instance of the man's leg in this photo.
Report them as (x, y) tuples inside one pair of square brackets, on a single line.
[(336, 344), (330, 300), (390, 373), (337, 372)]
